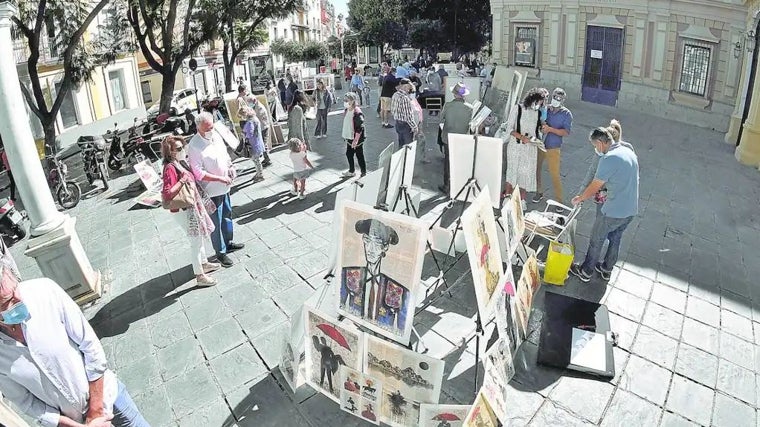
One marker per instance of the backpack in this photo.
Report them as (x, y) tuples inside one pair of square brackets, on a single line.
[(519, 116)]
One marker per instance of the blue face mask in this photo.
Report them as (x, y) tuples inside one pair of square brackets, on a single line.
[(18, 313)]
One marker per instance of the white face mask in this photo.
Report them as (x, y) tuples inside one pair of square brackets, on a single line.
[(182, 155), (346, 105), (535, 106), (598, 153), (556, 103)]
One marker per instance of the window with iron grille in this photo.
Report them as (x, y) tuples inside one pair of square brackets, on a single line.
[(526, 40), (147, 94), (695, 70)]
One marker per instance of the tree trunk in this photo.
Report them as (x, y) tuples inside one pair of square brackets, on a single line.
[(167, 92), (229, 61), (48, 126)]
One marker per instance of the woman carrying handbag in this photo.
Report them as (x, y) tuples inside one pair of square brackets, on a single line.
[(189, 206)]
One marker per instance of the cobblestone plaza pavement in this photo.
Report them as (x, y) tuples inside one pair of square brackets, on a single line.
[(682, 299)]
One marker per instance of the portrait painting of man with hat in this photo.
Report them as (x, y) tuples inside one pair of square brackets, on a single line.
[(381, 263)]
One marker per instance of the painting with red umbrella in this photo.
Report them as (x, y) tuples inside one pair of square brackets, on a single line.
[(482, 241), (442, 415), (329, 346)]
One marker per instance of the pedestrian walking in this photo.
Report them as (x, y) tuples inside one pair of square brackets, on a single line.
[(253, 135), (301, 167), (357, 85), (213, 169), (195, 219), (559, 122), (52, 364), (386, 94), (455, 118), (282, 88), (522, 127), (618, 172), (403, 112), (353, 134), (297, 119), (264, 120), (323, 99)]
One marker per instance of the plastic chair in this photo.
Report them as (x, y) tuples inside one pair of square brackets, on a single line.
[(434, 104)]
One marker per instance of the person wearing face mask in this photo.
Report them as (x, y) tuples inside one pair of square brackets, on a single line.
[(455, 117), (404, 112), (521, 127), (353, 134), (195, 220), (559, 122), (212, 168), (618, 171), (52, 365)]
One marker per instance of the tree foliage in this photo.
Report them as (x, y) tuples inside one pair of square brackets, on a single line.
[(379, 23), (294, 51), (168, 32), (462, 26), (350, 44), (60, 25), (240, 26)]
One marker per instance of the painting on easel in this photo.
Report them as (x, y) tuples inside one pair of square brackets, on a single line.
[(481, 238)]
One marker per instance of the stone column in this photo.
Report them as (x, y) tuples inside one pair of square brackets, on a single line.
[(54, 242), (748, 151)]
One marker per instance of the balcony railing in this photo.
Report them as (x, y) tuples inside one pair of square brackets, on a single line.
[(48, 53)]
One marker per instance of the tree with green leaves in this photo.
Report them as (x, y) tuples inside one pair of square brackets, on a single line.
[(379, 23), (350, 45), (240, 26), (463, 26), (60, 26), (293, 51), (168, 32)]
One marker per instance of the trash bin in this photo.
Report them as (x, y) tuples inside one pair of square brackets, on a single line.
[(558, 261)]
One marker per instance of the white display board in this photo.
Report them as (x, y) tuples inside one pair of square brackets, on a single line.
[(488, 164), (399, 170)]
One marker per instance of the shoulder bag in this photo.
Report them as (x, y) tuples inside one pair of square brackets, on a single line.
[(184, 199)]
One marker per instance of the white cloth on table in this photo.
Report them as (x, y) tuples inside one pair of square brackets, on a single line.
[(49, 376), (522, 159)]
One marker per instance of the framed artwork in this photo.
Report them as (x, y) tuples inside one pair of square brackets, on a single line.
[(384, 163), (513, 224), (291, 361), (481, 414), (506, 321), (329, 345), (487, 165), (380, 258), (517, 212), (481, 239), (309, 83), (524, 298), (409, 379), (360, 394), (525, 51), (499, 370), (442, 415), (534, 278)]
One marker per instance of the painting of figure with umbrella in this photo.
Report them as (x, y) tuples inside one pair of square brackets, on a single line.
[(409, 379), (329, 346), (481, 414), (380, 258), (442, 415)]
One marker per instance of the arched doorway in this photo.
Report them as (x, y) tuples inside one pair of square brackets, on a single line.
[(752, 76)]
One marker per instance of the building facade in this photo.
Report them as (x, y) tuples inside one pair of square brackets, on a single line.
[(671, 58), (744, 124)]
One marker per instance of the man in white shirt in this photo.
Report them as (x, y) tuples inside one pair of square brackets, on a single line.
[(212, 168), (52, 365)]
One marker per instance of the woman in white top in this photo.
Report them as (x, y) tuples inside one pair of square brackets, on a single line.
[(523, 125), (353, 134)]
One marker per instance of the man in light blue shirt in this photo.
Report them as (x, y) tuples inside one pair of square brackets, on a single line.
[(618, 171)]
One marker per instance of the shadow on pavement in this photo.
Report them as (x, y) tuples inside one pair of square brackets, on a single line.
[(282, 202)]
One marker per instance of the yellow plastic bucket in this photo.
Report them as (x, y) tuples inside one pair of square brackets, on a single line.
[(558, 262)]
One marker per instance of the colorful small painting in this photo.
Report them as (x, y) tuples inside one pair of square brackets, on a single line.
[(442, 415), (360, 394)]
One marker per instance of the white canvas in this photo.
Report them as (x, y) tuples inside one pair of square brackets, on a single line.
[(360, 394), (384, 163), (487, 165), (481, 238), (398, 170), (380, 258), (229, 138), (512, 224), (329, 345), (151, 197), (408, 378), (442, 415)]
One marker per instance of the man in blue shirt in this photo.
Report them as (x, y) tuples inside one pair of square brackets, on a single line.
[(559, 121), (618, 170)]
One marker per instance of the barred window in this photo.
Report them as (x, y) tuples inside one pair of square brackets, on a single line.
[(526, 40), (695, 70)]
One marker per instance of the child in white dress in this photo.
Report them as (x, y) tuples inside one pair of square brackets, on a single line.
[(301, 167)]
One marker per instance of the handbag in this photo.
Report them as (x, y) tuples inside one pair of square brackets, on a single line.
[(311, 113), (183, 199)]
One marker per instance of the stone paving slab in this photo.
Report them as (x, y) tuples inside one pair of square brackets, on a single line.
[(682, 296)]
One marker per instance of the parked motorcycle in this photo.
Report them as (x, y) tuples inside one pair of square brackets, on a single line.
[(11, 220), (67, 192), (92, 150), (136, 149)]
